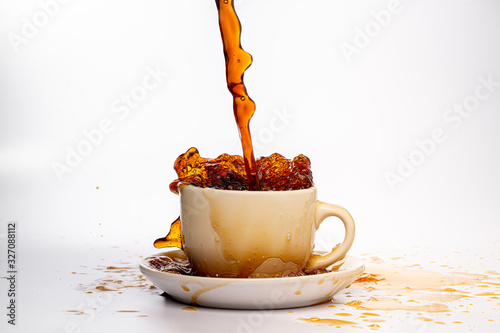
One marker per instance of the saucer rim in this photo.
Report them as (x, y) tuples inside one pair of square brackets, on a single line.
[(348, 258), (215, 290)]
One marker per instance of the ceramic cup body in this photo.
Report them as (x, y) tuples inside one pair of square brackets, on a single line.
[(255, 233)]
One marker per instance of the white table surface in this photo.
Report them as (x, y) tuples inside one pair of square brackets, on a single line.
[(357, 120)]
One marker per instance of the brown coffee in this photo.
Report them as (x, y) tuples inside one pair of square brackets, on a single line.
[(228, 172), (237, 61), (180, 265)]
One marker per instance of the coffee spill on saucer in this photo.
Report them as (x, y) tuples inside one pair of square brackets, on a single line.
[(195, 294)]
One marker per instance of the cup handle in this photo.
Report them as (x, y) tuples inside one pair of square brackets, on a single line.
[(324, 210)]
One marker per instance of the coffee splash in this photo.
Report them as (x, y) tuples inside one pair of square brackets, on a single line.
[(173, 238), (227, 172)]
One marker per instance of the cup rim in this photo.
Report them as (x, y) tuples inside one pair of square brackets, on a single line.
[(312, 188)]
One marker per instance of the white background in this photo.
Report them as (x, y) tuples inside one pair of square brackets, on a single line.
[(355, 118)]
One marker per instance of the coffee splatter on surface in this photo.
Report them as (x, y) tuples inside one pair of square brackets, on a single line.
[(390, 294), (387, 289)]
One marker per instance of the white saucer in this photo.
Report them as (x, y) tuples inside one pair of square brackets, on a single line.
[(263, 293)]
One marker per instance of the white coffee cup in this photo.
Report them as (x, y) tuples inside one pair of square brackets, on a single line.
[(256, 233)]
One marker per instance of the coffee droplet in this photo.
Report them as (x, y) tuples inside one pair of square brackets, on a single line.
[(288, 236)]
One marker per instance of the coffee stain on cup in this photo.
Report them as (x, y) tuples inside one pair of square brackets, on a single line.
[(201, 291)]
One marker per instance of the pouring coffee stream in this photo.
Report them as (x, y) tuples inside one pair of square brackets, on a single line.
[(237, 61)]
